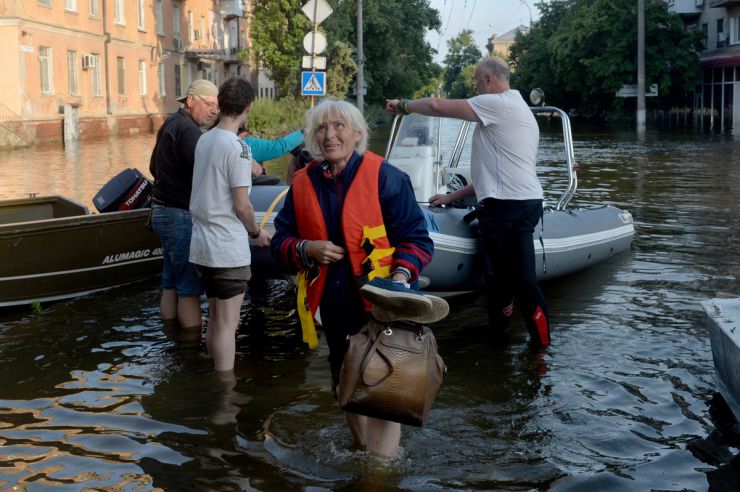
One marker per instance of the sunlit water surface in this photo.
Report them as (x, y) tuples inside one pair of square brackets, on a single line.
[(94, 395)]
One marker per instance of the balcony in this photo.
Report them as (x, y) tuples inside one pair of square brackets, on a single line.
[(723, 3), (687, 9), (227, 55)]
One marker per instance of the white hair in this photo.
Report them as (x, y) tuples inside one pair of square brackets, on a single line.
[(333, 108), (496, 67)]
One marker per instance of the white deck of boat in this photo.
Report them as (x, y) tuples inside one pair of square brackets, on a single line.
[(724, 317)]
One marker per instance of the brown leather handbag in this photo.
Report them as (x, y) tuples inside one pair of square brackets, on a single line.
[(391, 372)]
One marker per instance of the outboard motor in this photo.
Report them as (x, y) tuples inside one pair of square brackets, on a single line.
[(127, 191)]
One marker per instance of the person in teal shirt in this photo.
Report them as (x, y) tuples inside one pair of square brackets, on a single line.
[(266, 150)]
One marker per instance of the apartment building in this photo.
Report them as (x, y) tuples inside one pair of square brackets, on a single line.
[(719, 87), (502, 44), (110, 66)]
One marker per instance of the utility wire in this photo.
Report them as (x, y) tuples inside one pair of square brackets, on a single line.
[(472, 11)]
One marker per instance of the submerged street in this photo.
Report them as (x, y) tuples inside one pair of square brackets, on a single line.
[(94, 394)]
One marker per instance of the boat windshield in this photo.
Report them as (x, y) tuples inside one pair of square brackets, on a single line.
[(422, 146), (435, 152)]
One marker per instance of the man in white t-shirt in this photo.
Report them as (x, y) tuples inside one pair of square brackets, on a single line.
[(504, 181), (223, 219)]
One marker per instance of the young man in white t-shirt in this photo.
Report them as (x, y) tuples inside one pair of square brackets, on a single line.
[(504, 181), (223, 219)]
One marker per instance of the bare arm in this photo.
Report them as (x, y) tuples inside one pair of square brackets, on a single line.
[(451, 197), (245, 211), (433, 106)]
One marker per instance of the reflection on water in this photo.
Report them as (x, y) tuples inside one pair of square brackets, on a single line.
[(94, 395)]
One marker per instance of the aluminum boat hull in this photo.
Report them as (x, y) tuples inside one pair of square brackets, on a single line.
[(55, 249)]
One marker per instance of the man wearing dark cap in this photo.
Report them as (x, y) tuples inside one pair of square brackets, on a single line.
[(171, 164)]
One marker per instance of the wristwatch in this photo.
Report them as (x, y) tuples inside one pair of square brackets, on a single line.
[(254, 235)]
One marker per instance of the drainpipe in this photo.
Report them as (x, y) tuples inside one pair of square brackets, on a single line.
[(238, 46), (106, 42)]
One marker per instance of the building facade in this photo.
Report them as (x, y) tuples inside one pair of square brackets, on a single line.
[(110, 67), (502, 44), (718, 89)]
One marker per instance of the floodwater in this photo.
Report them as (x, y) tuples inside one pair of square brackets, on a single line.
[(94, 395)]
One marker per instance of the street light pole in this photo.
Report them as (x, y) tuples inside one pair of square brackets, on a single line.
[(523, 2), (360, 61), (640, 66)]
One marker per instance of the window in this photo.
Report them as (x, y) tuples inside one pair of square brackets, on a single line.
[(140, 14), (176, 26), (70, 5), (705, 39), (142, 77), (47, 86), (721, 38), (159, 13), (191, 34), (121, 69), (94, 8), (734, 30), (160, 76), (119, 12), (45, 2), (203, 28), (178, 89), (97, 86), (74, 88)]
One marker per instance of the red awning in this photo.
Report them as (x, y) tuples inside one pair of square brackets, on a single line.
[(722, 59)]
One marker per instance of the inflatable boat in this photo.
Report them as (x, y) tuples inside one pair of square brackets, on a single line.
[(436, 158)]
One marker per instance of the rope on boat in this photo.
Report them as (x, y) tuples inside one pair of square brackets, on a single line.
[(272, 206)]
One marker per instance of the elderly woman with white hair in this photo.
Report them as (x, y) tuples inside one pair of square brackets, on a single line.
[(349, 217)]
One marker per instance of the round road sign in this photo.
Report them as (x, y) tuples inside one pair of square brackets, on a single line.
[(314, 45)]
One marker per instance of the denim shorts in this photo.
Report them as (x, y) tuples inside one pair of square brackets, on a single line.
[(174, 226), (224, 283)]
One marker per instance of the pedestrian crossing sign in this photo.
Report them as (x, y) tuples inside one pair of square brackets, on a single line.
[(313, 83)]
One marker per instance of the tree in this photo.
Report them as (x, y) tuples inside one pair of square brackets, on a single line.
[(433, 86), (582, 51), (398, 60), (277, 30), (461, 52), (341, 71)]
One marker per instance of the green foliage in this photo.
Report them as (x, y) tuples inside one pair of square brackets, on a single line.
[(273, 118), (341, 70), (434, 86), (503, 56), (36, 306), (277, 31), (582, 51), (375, 115), (398, 60), (462, 52), (463, 86)]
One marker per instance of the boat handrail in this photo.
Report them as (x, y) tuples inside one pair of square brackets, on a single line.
[(569, 154), (462, 135), (393, 134), (438, 159)]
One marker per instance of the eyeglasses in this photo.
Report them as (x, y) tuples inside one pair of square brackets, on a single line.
[(210, 104)]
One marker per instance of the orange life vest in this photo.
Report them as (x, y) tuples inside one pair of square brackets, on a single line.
[(366, 242)]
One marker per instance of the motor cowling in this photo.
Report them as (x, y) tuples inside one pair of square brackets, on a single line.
[(128, 190)]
